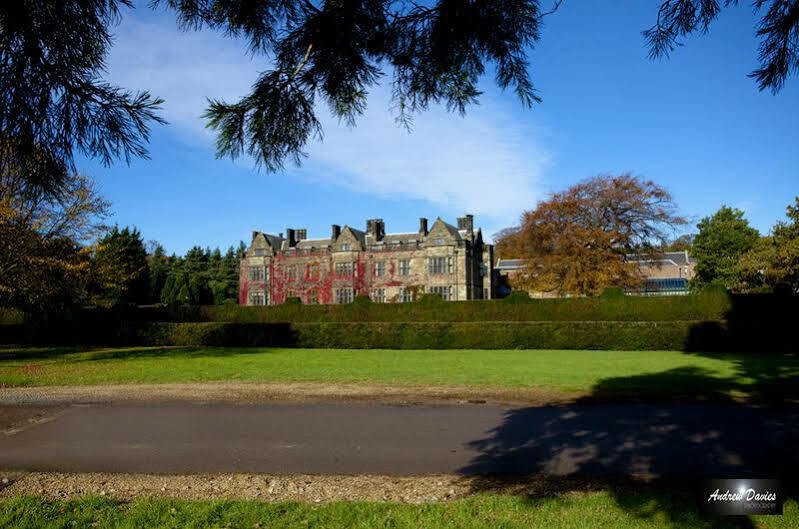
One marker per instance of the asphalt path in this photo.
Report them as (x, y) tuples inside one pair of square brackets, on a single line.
[(641, 439)]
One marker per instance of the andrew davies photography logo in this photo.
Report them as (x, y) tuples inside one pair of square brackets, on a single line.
[(740, 496)]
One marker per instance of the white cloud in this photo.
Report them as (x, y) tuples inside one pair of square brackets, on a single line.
[(184, 68), (488, 163)]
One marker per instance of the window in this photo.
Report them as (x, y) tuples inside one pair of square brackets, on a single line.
[(257, 298), (313, 297), (439, 242), (344, 295), (346, 247), (405, 267), (380, 268), (256, 273), (291, 273), (312, 271), (406, 295), (379, 295), (444, 292), (344, 269), (439, 265), (259, 252)]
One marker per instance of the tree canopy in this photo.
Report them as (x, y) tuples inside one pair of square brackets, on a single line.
[(722, 239), (774, 260), (53, 101), (335, 51), (576, 241)]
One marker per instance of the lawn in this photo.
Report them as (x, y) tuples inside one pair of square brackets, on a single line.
[(641, 509), (605, 374)]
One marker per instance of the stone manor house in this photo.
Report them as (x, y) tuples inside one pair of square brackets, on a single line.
[(452, 262)]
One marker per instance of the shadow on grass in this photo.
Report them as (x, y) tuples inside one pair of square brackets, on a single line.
[(651, 457)]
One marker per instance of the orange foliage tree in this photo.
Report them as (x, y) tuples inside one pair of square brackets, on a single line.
[(576, 241)]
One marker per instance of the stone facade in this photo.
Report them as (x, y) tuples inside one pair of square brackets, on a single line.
[(450, 261)]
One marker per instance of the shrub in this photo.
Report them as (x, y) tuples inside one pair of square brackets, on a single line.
[(612, 293), (361, 300), (517, 296)]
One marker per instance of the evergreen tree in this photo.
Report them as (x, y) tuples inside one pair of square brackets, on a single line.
[(722, 239), (158, 264), (124, 251), (53, 101)]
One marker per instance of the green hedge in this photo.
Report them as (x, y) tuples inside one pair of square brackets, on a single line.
[(676, 335), (712, 306)]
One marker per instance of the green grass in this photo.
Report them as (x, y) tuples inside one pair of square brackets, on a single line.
[(600, 373), (571, 510)]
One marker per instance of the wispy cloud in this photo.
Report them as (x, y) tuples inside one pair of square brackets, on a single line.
[(489, 163), (184, 68)]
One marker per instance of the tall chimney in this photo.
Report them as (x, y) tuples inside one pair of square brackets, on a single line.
[(423, 226), (291, 236), (376, 228), (302, 234), (466, 223), (335, 231)]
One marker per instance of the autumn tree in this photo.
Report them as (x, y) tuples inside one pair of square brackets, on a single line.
[(576, 241), (682, 243), (46, 240), (723, 238)]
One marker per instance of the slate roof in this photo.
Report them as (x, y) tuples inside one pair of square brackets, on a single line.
[(510, 264), (313, 243), (677, 258), (402, 237)]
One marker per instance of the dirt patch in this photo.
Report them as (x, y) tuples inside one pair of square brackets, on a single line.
[(248, 393), (315, 489)]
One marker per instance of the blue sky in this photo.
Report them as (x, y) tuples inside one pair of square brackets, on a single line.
[(694, 123)]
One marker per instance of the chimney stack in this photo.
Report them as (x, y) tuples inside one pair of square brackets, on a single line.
[(302, 234), (291, 236), (466, 223), (335, 231), (376, 228), (423, 226)]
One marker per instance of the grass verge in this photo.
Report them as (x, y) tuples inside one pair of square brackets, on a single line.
[(639, 509), (605, 375)]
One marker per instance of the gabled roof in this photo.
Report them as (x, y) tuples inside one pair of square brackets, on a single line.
[(273, 240), (358, 234), (452, 230)]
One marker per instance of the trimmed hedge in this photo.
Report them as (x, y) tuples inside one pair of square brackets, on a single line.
[(611, 335), (712, 306)]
